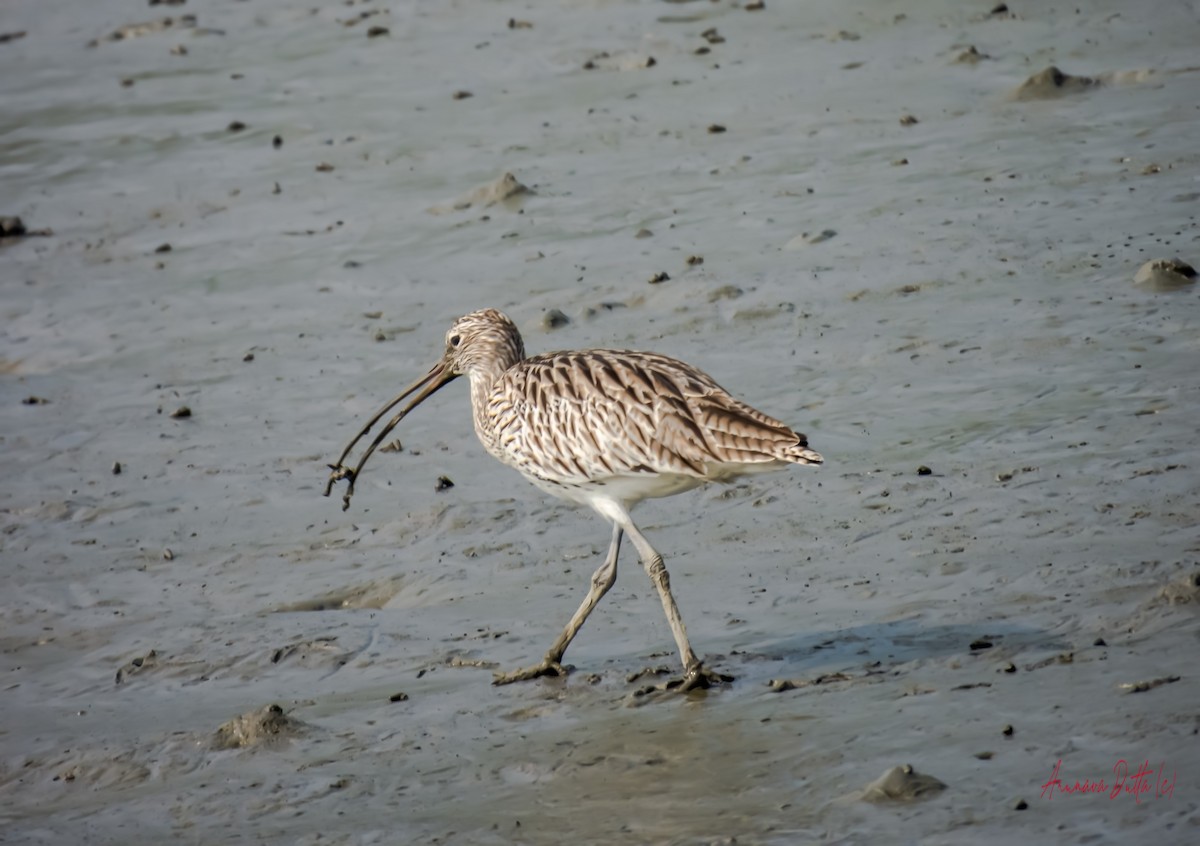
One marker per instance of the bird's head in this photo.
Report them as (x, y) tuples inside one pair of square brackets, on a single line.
[(484, 341)]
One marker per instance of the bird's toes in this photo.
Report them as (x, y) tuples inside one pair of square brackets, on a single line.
[(546, 668), (697, 678), (700, 677)]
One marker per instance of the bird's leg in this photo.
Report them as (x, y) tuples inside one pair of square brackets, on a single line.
[(603, 579), (696, 675)]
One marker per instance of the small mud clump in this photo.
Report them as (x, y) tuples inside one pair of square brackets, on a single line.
[(265, 726), (1165, 275), (1052, 82), (902, 784)]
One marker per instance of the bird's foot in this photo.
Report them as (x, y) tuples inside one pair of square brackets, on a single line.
[(698, 677), (548, 667)]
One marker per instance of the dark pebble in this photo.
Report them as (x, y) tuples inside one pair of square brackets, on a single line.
[(182, 411), (398, 697), (12, 226), (277, 141), (924, 471), (443, 484), (980, 644)]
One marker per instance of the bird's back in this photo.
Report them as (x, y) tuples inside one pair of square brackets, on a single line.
[(644, 421)]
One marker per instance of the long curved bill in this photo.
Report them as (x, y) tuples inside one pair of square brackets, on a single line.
[(428, 384)]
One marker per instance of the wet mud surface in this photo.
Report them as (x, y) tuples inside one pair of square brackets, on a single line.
[(243, 230)]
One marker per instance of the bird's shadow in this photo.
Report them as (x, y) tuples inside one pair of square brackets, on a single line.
[(889, 645)]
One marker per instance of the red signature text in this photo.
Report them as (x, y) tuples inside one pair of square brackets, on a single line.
[(1136, 783)]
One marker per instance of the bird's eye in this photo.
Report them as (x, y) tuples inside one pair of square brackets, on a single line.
[(455, 340)]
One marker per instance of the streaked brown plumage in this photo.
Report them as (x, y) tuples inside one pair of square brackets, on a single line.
[(605, 428)]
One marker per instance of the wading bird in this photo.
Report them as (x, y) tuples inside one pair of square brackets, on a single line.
[(604, 428)]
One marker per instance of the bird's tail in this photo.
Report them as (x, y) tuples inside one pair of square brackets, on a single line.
[(799, 453)]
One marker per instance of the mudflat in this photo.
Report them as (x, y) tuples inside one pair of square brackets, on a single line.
[(912, 231)]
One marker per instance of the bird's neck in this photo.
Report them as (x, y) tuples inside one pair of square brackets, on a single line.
[(485, 369), (483, 377)]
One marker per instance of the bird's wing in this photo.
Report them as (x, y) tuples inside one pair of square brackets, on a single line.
[(593, 414)]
